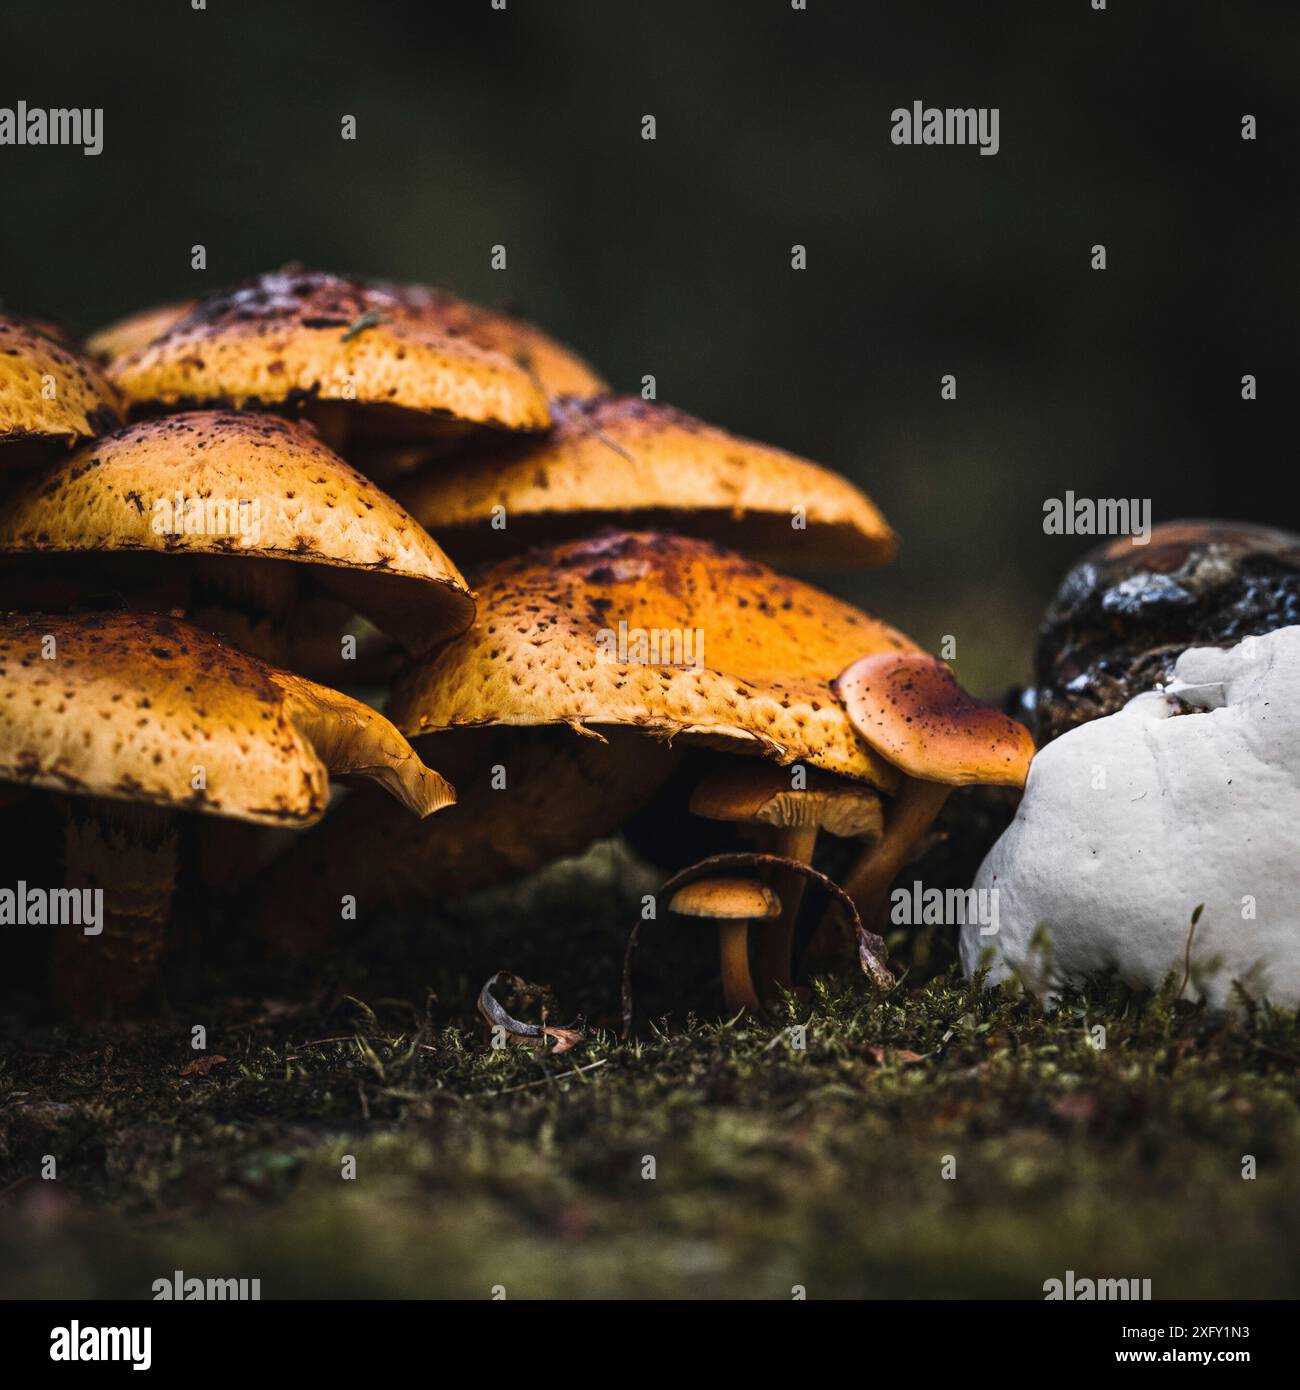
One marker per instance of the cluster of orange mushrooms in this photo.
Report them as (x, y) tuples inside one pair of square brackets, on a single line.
[(215, 514)]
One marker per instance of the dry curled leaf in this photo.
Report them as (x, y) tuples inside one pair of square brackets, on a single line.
[(565, 1038), (529, 1034)]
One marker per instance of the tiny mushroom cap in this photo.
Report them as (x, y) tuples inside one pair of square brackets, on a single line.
[(909, 707), (81, 406), (241, 488), (136, 330), (726, 899), (647, 465), (752, 792), (126, 705), (292, 338), (676, 637)]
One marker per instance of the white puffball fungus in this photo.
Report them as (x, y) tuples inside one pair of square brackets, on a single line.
[(1185, 797)]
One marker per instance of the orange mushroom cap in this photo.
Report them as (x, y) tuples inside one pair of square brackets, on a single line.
[(909, 708), (726, 900), (33, 357), (310, 508), (293, 337), (644, 465), (126, 706), (137, 330), (558, 370), (545, 650), (752, 791)]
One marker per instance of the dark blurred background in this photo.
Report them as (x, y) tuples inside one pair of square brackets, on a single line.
[(477, 126)]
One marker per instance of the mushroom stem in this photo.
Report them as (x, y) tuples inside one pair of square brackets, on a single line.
[(698, 884), (776, 942), (565, 792), (129, 853), (913, 812), (737, 983)]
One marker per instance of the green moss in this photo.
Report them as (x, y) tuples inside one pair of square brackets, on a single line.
[(774, 1167)]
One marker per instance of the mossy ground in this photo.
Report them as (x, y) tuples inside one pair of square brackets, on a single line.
[(774, 1167)]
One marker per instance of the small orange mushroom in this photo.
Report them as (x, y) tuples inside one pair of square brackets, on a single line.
[(909, 707), (788, 807), (733, 904)]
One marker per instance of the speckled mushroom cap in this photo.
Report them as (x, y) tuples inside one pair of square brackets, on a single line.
[(545, 650), (293, 337), (650, 466), (910, 708), (131, 706), (48, 394), (137, 330), (270, 490), (557, 369)]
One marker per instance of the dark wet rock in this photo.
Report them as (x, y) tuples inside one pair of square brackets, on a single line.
[(1125, 613)]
